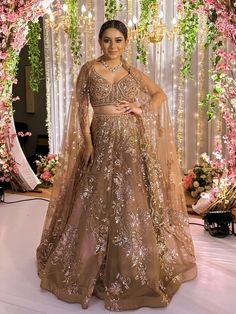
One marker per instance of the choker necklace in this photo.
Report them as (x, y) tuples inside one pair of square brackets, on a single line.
[(112, 69)]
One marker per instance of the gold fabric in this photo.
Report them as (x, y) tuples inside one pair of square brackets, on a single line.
[(118, 231)]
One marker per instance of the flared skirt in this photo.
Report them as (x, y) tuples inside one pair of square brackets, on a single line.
[(116, 244)]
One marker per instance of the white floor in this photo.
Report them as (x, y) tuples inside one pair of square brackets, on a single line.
[(214, 290)]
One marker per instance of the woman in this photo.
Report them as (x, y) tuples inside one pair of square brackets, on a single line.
[(116, 226)]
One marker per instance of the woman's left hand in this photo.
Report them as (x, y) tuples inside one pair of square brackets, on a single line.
[(129, 107)]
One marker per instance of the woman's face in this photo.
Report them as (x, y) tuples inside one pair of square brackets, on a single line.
[(112, 43)]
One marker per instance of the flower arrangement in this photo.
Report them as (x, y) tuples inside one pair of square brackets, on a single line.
[(220, 26), (46, 168), (200, 178), (14, 20), (222, 195)]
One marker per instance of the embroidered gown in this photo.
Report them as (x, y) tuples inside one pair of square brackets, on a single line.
[(119, 230)]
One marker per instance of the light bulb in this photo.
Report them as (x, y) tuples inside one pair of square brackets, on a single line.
[(52, 17), (135, 21), (90, 16), (83, 9), (174, 21), (161, 15), (65, 7), (130, 23)]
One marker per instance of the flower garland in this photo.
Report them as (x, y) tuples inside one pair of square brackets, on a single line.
[(14, 20)]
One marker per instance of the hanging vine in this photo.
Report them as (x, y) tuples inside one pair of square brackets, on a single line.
[(214, 38), (189, 28), (144, 22), (33, 38), (73, 32), (111, 9)]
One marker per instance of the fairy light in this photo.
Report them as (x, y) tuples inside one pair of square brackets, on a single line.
[(58, 55), (180, 110), (161, 15), (65, 7), (83, 9), (48, 81), (130, 26), (174, 21), (200, 86), (90, 31), (135, 20), (174, 76)]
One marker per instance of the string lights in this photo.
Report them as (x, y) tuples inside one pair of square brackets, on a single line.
[(180, 123), (201, 86)]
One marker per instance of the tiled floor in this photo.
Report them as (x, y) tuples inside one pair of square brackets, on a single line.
[(213, 292)]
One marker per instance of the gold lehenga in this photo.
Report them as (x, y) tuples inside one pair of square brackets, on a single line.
[(120, 230)]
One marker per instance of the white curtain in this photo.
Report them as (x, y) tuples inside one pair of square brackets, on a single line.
[(193, 134)]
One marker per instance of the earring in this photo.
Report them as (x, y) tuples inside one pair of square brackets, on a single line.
[(125, 54)]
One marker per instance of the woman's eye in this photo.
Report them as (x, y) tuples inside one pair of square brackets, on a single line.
[(118, 40), (106, 40)]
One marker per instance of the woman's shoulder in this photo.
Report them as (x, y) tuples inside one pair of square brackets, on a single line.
[(87, 65)]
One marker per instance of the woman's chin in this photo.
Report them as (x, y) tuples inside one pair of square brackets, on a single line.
[(113, 56)]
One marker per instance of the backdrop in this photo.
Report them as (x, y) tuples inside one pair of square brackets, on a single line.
[(192, 132)]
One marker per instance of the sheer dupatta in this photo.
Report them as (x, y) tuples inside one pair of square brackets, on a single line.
[(170, 217), (69, 170)]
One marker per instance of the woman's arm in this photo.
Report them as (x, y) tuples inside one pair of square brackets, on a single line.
[(82, 96), (83, 103)]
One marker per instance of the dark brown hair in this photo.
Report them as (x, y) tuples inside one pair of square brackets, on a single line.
[(120, 26)]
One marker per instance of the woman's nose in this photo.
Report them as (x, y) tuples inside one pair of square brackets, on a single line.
[(112, 44)]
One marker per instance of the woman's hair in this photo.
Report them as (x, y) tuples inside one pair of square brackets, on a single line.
[(120, 26)]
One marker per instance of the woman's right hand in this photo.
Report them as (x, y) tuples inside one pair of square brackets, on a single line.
[(88, 156)]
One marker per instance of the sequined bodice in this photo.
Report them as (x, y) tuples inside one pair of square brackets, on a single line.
[(102, 92)]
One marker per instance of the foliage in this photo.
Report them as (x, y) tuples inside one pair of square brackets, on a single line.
[(73, 31), (220, 28), (144, 22), (34, 55), (189, 27), (200, 178), (111, 9), (15, 17)]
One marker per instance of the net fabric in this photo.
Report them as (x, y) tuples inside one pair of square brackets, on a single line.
[(69, 170), (127, 141)]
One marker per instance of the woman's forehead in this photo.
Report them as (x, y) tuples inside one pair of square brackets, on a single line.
[(112, 33)]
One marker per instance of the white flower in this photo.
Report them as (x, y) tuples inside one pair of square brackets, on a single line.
[(196, 184)]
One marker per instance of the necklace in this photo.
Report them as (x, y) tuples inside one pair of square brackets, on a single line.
[(112, 69)]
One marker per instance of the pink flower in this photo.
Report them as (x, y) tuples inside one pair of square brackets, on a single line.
[(188, 182), (46, 176), (51, 156)]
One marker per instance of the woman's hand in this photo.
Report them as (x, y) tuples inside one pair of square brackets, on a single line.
[(88, 156), (128, 107)]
